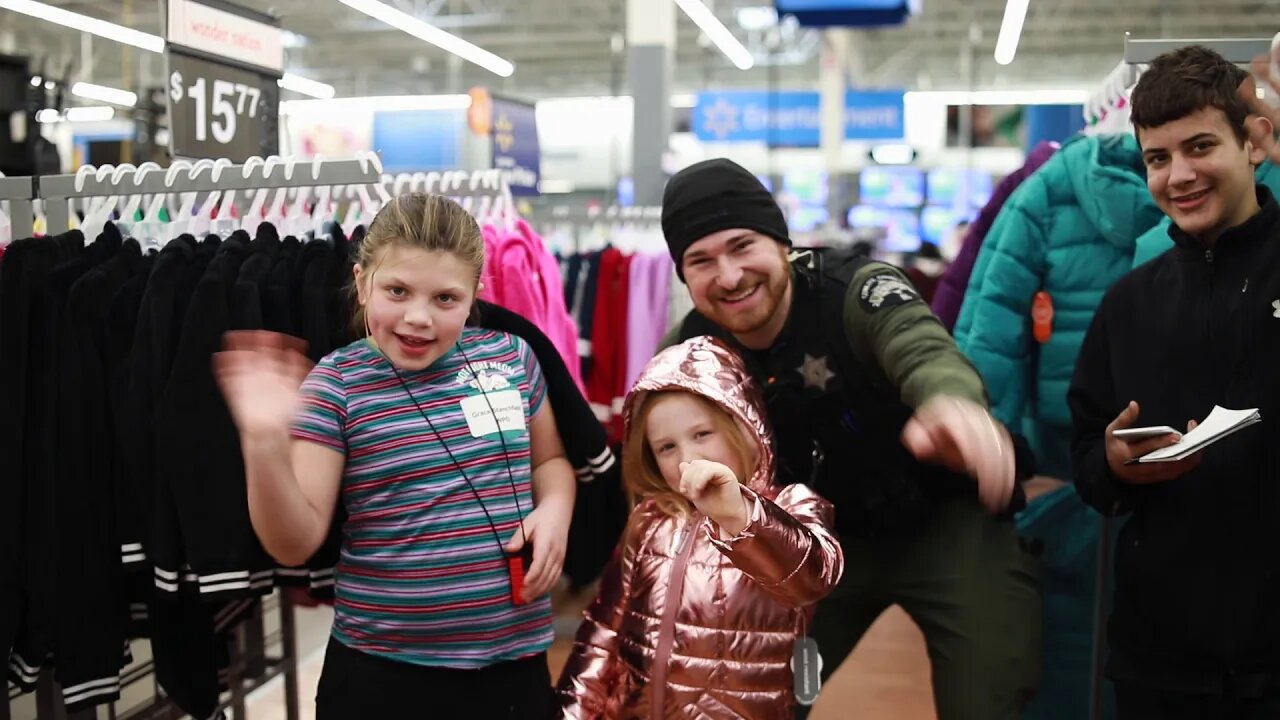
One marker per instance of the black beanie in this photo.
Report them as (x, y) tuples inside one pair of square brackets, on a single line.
[(716, 195)]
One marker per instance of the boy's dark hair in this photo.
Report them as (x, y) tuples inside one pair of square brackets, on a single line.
[(1184, 81)]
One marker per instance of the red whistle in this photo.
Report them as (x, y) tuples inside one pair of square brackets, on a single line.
[(517, 564)]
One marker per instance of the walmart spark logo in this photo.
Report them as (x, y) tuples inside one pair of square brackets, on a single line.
[(720, 119)]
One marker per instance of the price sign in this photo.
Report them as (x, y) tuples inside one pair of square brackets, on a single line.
[(223, 67), (217, 110)]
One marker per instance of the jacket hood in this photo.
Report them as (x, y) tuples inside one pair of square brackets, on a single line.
[(707, 367), (1109, 183)]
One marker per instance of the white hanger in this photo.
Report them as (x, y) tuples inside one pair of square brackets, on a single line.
[(202, 222), (276, 214), (135, 198), (128, 225), (82, 173), (98, 205), (321, 212), (254, 214), (181, 220), (380, 189), (95, 218), (401, 180), (150, 231), (364, 211)]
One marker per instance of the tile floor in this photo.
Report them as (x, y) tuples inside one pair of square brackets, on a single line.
[(887, 677)]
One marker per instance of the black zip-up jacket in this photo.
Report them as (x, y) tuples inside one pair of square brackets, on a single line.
[(1197, 567)]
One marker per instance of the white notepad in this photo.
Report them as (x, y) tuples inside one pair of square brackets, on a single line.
[(1220, 423)]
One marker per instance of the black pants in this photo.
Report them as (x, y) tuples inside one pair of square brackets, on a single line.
[(975, 594), (356, 686), (1137, 702)]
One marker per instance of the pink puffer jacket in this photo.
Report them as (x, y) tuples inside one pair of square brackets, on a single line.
[(686, 625)]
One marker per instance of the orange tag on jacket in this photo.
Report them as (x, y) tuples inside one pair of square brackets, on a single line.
[(1042, 317)]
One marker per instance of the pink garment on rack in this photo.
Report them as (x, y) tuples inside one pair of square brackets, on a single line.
[(524, 277), (650, 290), (490, 291)]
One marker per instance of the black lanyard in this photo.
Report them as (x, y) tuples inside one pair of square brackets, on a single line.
[(515, 493)]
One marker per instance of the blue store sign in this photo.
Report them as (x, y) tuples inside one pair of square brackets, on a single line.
[(794, 119), (515, 145), (849, 13), (418, 140)]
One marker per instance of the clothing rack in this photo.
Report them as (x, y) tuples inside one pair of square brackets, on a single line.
[(19, 191), (1236, 50), (56, 190), (1118, 82), (585, 215), (251, 640)]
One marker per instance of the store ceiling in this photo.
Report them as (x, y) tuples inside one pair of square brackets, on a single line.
[(566, 47)]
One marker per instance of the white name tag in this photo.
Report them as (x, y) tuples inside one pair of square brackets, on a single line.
[(506, 404)]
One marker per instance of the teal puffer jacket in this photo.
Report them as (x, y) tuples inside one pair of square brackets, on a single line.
[(1156, 240), (1069, 229)]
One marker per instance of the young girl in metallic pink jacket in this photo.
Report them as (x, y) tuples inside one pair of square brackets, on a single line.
[(699, 611)]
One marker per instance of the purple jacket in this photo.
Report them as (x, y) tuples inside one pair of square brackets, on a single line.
[(955, 281)]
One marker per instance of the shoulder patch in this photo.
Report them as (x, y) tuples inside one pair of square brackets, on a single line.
[(885, 290)]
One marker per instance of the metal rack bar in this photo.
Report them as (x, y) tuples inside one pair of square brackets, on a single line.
[(1236, 50), (19, 191), (55, 190)]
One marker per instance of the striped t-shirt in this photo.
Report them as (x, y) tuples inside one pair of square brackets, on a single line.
[(422, 579)]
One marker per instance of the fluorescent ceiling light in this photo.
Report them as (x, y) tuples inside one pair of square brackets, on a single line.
[(292, 40), (118, 33), (95, 113), (1015, 11), (434, 35), (306, 86), (105, 94), (893, 154), (84, 23), (384, 103), (761, 17), (1054, 96), (90, 114), (714, 29)]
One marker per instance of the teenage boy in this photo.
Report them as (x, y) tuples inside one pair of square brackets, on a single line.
[(1195, 627)]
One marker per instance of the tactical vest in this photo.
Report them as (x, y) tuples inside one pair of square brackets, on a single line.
[(837, 425)]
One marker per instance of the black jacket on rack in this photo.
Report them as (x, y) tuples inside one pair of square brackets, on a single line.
[(23, 408), (198, 449), (89, 555)]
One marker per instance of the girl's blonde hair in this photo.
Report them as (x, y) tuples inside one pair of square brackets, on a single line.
[(640, 474), (418, 220)]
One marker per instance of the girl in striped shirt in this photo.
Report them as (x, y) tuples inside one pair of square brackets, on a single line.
[(438, 440)]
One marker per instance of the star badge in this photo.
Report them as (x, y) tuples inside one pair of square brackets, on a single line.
[(816, 372)]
